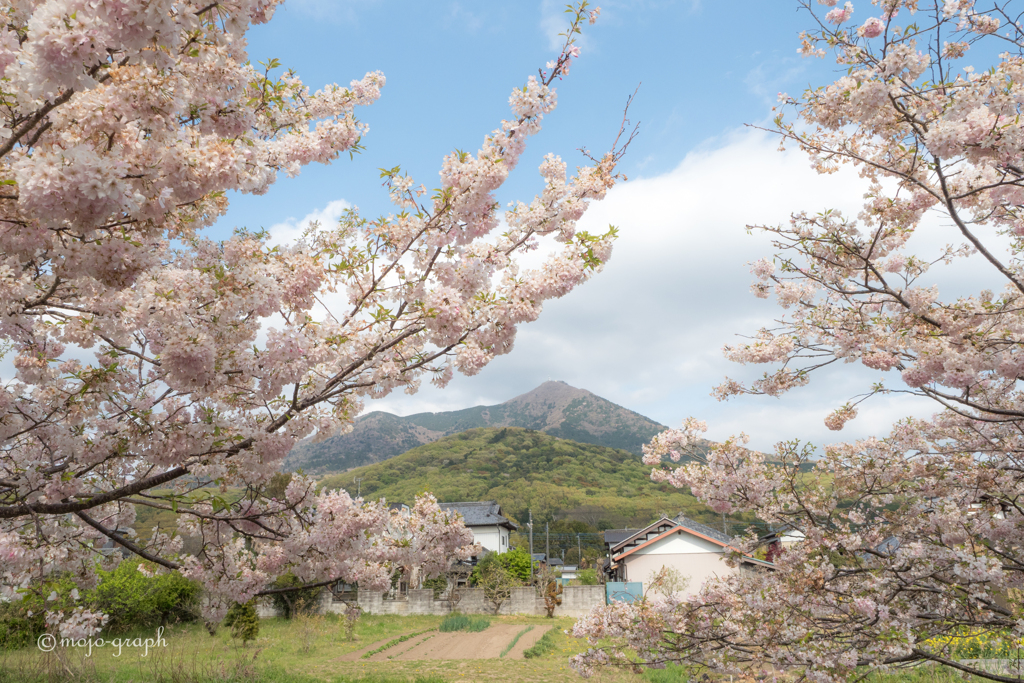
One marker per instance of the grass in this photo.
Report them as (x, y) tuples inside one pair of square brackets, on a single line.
[(548, 643), (463, 622), (508, 648), (672, 673), (281, 655)]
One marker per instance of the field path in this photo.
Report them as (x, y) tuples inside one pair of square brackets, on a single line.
[(527, 641), (486, 644)]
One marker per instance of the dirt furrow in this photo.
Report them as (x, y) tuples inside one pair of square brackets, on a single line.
[(528, 640), (396, 651)]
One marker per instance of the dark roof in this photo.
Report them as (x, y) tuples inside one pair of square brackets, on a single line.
[(538, 557), (482, 513), (702, 529), (641, 536), (616, 536)]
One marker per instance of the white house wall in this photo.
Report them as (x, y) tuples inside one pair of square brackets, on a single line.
[(692, 556), (679, 544), (489, 537)]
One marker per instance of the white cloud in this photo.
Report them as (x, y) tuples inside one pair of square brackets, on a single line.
[(647, 332), (290, 230), (554, 21)]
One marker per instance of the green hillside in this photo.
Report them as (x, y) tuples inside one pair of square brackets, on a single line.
[(524, 469), (554, 408)]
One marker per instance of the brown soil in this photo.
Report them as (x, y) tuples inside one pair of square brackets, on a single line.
[(486, 644), (353, 656), (528, 640), (396, 651)]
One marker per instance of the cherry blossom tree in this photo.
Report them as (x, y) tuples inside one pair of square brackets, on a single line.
[(158, 367), (914, 539)]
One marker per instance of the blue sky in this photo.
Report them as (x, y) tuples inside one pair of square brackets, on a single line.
[(646, 333), (451, 65)]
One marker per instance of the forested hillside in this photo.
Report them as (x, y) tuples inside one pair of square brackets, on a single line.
[(554, 408), (524, 469)]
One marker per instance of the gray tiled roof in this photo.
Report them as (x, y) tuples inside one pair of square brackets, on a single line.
[(482, 513), (702, 529), (615, 536)]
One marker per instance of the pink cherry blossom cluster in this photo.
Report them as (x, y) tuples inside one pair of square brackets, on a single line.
[(912, 539), (158, 367)]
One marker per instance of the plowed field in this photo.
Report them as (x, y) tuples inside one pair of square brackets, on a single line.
[(456, 645)]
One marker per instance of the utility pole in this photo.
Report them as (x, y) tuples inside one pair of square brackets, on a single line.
[(547, 545), (359, 485), (579, 551), (530, 526), (725, 529)]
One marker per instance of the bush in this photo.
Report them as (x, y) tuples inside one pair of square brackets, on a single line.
[(22, 621), (438, 584), (516, 562), (294, 602), (243, 620), (131, 600), (463, 622), (134, 600), (588, 577)]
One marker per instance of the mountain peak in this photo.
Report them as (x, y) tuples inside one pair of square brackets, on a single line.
[(552, 389), (554, 407)]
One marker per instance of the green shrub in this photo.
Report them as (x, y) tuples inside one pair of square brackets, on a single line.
[(438, 584), (134, 600), (547, 643), (22, 621), (294, 602), (243, 621), (587, 577), (129, 598), (516, 561), (463, 622)]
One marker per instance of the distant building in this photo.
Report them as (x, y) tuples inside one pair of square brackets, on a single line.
[(613, 537), (490, 527), (696, 551), (777, 541)]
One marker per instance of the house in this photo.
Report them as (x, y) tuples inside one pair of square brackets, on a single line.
[(776, 542), (613, 537), (489, 526), (696, 551)]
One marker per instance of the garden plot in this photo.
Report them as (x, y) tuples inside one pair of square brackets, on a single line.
[(456, 645)]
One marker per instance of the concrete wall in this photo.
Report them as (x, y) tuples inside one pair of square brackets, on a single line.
[(576, 601)]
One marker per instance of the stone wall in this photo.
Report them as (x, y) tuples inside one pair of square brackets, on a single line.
[(576, 601)]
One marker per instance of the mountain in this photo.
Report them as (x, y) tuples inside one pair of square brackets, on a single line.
[(524, 470), (554, 408)]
